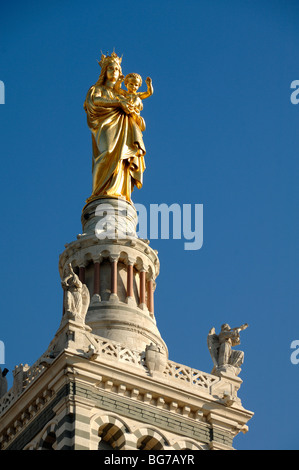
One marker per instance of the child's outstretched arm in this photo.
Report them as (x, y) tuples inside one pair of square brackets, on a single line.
[(150, 89)]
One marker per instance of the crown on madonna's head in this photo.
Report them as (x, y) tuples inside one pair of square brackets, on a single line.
[(107, 58)]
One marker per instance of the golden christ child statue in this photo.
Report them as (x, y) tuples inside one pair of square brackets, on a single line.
[(113, 117)]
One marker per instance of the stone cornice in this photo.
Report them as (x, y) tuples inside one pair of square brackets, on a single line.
[(108, 377)]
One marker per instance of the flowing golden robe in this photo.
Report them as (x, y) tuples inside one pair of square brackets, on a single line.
[(117, 145)]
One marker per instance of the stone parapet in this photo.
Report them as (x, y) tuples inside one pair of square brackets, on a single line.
[(102, 387)]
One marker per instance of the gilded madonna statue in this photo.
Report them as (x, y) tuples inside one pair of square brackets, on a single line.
[(113, 117)]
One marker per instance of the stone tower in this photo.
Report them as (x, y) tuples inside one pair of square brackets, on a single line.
[(106, 381)]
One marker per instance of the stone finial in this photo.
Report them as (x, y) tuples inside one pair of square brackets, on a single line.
[(19, 375), (3, 382), (155, 359)]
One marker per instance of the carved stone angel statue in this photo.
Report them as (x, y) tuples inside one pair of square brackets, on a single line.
[(220, 347), (76, 296)]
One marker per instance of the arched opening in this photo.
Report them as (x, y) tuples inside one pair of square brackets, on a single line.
[(103, 445), (49, 442), (112, 437), (149, 443)]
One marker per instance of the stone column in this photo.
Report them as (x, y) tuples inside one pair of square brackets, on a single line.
[(142, 276), (113, 261), (82, 274), (96, 278), (150, 296), (96, 282), (130, 281)]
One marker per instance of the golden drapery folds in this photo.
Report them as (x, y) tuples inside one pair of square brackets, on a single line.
[(116, 127)]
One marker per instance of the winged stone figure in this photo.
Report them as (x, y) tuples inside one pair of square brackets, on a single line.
[(220, 347), (76, 298)]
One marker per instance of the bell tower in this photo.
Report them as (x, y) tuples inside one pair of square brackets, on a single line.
[(120, 273), (106, 382)]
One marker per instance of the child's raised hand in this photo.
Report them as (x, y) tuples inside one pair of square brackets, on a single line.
[(148, 80)]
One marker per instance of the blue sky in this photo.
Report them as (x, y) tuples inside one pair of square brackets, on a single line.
[(221, 131)]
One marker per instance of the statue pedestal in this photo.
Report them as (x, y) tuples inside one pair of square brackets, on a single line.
[(111, 218), (227, 370)]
